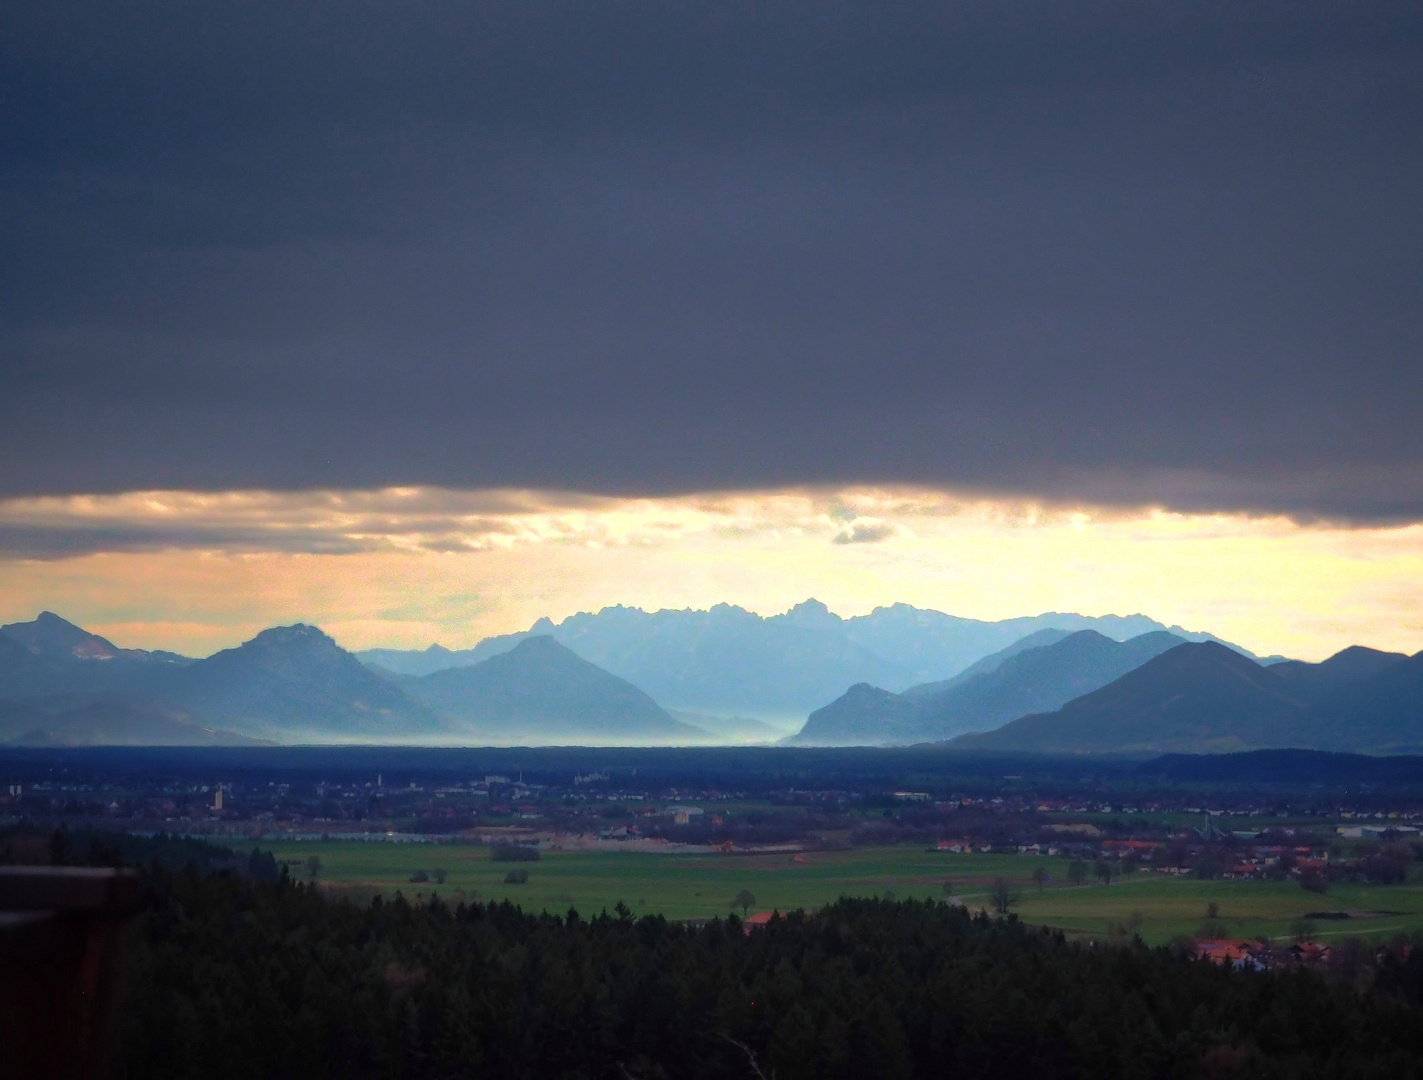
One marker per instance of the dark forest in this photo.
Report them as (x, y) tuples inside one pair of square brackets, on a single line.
[(235, 977)]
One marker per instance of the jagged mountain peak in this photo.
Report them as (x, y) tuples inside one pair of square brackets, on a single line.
[(294, 635), (812, 615), (279, 647)]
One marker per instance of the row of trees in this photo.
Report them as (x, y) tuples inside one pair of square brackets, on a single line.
[(1003, 896)]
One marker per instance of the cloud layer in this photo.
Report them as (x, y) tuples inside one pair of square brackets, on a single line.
[(1079, 250), (427, 520)]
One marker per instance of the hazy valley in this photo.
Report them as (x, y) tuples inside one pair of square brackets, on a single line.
[(1054, 683)]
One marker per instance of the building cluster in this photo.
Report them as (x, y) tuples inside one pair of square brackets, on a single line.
[(1159, 832), (1264, 955)]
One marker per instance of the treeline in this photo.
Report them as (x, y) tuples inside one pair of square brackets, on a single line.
[(31, 844), (236, 978)]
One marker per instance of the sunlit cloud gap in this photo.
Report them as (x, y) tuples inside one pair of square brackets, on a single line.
[(195, 571), (428, 519)]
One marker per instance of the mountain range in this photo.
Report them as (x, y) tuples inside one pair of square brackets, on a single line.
[(727, 661), (1201, 697), (61, 685), (1027, 677), (1053, 689), (287, 684)]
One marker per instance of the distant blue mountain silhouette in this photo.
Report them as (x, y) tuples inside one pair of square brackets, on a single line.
[(727, 661)]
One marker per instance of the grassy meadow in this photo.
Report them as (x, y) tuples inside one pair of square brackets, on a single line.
[(680, 886)]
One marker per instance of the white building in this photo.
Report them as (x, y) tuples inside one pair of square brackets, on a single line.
[(683, 815)]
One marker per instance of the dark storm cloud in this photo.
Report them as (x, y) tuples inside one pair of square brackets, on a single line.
[(1109, 251), (65, 542), (317, 522)]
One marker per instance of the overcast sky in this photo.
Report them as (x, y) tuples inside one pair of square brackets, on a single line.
[(1165, 252), (1055, 254)]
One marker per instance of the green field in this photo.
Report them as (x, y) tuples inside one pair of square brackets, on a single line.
[(698, 886)]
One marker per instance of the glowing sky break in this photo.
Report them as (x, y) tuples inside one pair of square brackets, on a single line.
[(195, 572)]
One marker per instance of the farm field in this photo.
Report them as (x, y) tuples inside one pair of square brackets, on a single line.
[(1168, 906), (699, 886)]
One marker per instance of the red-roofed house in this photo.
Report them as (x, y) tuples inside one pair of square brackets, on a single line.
[(1241, 955)]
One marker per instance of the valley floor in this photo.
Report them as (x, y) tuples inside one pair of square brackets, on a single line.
[(694, 886)]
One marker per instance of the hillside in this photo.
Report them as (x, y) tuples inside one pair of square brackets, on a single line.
[(1381, 713), (19, 668), (540, 692), (107, 719), (1033, 679)]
